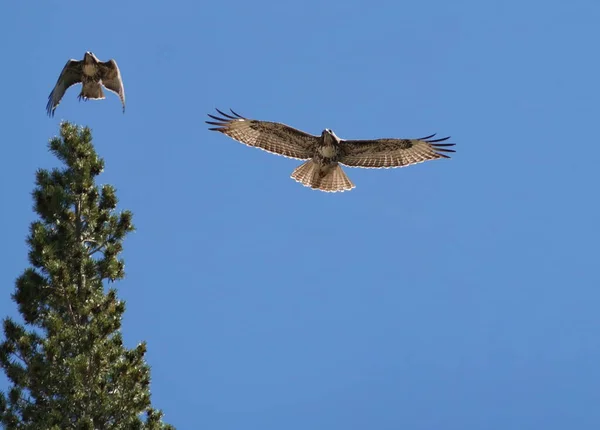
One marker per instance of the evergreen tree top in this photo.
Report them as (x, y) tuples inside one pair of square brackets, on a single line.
[(67, 366)]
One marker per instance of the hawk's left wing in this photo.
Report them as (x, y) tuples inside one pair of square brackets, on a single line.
[(386, 153), (111, 79)]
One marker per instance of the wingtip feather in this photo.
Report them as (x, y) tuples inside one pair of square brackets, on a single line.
[(225, 114), (439, 140), (237, 114)]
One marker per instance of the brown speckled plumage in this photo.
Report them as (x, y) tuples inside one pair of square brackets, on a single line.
[(93, 74), (326, 152)]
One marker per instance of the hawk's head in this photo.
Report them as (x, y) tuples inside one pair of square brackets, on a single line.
[(329, 136), (89, 57)]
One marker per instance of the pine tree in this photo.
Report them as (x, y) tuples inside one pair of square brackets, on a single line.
[(67, 366)]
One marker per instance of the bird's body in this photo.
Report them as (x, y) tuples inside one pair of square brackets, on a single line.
[(90, 70), (326, 152), (91, 78), (93, 74)]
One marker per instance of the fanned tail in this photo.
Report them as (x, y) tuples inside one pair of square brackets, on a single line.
[(91, 91), (330, 179)]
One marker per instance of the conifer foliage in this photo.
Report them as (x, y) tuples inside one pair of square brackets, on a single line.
[(67, 365)]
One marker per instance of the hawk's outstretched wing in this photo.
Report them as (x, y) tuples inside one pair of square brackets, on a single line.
[(70, 75), (272, 137), (111, 79), (386, 153)]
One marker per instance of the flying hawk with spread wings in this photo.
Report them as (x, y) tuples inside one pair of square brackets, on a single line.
[(92, 74), (326, 152)]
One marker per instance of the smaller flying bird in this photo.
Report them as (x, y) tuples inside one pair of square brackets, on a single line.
[(326, 152), (92, 74)]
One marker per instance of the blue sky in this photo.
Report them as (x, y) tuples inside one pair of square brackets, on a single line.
[(455, 294)]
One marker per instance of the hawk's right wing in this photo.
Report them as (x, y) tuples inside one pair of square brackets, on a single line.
[(111, 79), (70, 75), (272, 137)]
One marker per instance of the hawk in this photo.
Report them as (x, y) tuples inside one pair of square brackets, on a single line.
[(326, 152), (92, 74)]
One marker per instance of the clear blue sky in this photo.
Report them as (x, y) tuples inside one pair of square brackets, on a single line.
[(455, 294)]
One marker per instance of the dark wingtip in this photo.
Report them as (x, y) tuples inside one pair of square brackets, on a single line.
[(429, 139), (49, 109), (440, 148), (226, 118), (216, 118), (226, 115), (237, 114), (442, 145)]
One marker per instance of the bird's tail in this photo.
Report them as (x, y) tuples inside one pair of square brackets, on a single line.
[(327, 178), (91, 91)]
